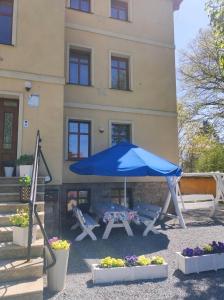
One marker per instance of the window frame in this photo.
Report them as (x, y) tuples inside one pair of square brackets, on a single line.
[(119, 69), (127, 4), (120, 192), (69, 158), (78, 190), (13, 25), (119, 122), (79, 9), (80, 53)]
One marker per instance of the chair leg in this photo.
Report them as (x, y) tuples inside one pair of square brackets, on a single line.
[(75, 226), (91, 234), (81, 236)]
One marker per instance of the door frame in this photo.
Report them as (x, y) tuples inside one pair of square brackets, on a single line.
[(20, 98)]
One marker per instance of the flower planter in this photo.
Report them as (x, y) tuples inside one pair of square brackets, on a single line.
[(56, 275), (197, 264), (8, 171), (20, 235), (25, 170), (109, 275), (25, 194)]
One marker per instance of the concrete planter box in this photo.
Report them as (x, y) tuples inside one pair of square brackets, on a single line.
[(20, 235), (56, 276), (8, 171), (104, 275), (197, 264), (25, 170)]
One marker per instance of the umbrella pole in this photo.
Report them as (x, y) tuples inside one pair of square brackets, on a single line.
[(125, 191)]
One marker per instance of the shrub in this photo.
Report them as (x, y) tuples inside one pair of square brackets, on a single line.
[(21, 219), (25, 160)]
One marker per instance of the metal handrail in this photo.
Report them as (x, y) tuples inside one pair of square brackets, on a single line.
[(32, 203)]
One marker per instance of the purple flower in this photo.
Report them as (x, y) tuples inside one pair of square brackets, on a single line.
[(53, 239), (217, 247), (198, 251), (131, 260), (188, 252)]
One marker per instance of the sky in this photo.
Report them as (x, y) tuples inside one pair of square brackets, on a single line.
[(188, 21)]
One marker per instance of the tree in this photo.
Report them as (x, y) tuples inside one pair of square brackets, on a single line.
[(203, 79), (211, 159)]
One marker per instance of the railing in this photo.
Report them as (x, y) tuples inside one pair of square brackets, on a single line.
[(32, 203)]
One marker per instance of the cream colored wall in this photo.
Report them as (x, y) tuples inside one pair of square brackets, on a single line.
[(39, 47), (156, 134), (37, 56), (151, 104), (45, 118)]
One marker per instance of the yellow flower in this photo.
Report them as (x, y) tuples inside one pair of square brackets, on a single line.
[(60, 245), (157, 260), (143, 261)]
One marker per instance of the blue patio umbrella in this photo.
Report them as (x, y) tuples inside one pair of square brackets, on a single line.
[(128, 160)]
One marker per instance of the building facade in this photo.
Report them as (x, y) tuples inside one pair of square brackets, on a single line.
[(88, 75)]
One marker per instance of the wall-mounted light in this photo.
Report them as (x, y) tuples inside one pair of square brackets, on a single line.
[(101, 130), (28, 85)]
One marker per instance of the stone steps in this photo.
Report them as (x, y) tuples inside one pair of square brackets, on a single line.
[(11, 207), (12, 270), (15, 196), (4, 219), (10, 251), (15, 180), (22, 290), (6, 233)]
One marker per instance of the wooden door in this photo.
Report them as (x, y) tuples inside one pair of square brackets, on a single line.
[(9, 110)]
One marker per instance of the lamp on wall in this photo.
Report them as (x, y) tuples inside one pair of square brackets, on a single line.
[(101, 130)]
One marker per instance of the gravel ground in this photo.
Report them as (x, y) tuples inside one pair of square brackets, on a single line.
[(201, 229)]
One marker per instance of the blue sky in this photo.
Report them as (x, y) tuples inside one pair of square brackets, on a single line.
[(188, 20)]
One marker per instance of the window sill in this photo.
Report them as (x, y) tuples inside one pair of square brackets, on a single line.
[(82, 85), (120, 90), (79, 10), (125, 21), (10, 45)]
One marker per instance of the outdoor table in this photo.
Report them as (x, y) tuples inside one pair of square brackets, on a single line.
[(116, 216)]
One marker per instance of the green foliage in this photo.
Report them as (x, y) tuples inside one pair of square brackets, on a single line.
[(25, 160), (211, 159), (21, 219), (25, 181)]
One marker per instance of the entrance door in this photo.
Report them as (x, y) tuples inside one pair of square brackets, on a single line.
[(9, 110)]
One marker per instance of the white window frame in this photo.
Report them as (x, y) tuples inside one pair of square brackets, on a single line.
[(125, 122), (92, 6), (77, 118), (131, 68), (83, 48), (130, 11)]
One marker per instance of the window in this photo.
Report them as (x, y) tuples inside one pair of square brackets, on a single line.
[(119, 10), (79, 67), (79, 139), (6, 21), (119, 73), (80, 198), (120, 133), (117, 196), (83, 5)]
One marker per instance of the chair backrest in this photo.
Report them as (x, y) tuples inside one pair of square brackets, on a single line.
[(79, 215)]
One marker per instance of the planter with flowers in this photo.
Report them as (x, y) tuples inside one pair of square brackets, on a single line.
[(131, 268), (25, 164), (208, 258), (56, 275), (20, 222), (25, 188)]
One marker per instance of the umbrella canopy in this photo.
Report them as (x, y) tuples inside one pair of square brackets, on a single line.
[(125, 160)]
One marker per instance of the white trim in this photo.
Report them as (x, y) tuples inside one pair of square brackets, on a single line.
[(130, 67), (14, 22), (32, 76), (19, 97), (66, 133), (120, 122), (121, 109), (83, 48), (118, 35), (130, 11)]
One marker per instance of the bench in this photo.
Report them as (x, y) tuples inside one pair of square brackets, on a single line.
[(86, 223), (148, 215)]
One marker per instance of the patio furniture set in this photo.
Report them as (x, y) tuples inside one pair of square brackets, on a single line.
[(116, 216)]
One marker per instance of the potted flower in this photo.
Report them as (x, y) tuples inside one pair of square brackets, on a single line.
[(130, 268), (9, 167), (56, 275), (25, 188), (25, 163), (20, 222), (195, 260)]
